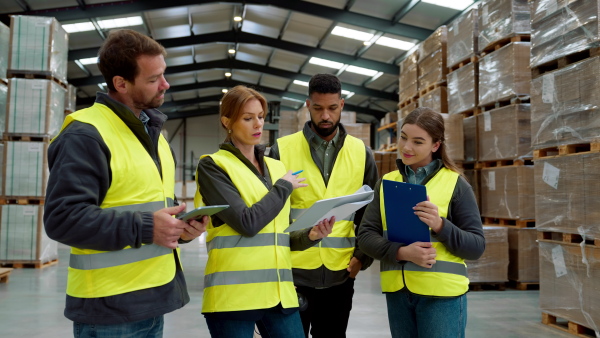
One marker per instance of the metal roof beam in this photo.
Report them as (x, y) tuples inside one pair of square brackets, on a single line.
[(404, 10)]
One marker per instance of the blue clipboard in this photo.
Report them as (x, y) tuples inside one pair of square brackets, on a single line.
[(403, 226)]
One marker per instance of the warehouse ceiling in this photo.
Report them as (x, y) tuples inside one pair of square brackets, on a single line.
[(272, 45)]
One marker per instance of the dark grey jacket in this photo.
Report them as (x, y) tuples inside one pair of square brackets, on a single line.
[(80, 176), (462, 233)]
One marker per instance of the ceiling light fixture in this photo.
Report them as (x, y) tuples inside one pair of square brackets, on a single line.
[(325, 63), (362, 71), (301, 83), (394, 43), (79, 27), (89, 61), (351, 33), (455, 4), (237, 18), (121, 22), (228, 74), (224, 90), (231, 51)]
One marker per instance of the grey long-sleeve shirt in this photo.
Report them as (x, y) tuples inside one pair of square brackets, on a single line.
[(462, 233)]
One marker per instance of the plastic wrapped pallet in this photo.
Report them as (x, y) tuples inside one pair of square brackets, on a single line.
[(348, 117), (492, 266), (562, 28), (453, 125), (500, 19), (568, 194), (565, 105), (471, 138), (504, 73), (405, 110), (70, 99), (3, 105), (463, 37), (409, 77), (473, 176), (390, 117), (288, 122), (40, 45), (523, 255), (25, 172), (507, 192), (432, 59), (569, 288), (505, 133), (302, 117), (463, 87), (22, 236), (360, 130), (436, 99), (4, 47), (35, 107)]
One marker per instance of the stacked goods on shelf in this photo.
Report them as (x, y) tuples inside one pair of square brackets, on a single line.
[(431, 66), (385, 161), (288, 122), (454, 137), (4, 47), (492, 266), (473, 176), (462, 63), (523, 253), (22, 237), (501, 20), (407, 108), (471, 139), (71, 99), (562, 29), (504, 133), (463, 88), (408, 88), (302, 116), (38, 46), (507, 192), (436, 99), (360, 130)]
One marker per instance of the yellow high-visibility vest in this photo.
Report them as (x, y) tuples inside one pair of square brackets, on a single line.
[(448, 276), (94, 274), (347, 176), (248, 273)]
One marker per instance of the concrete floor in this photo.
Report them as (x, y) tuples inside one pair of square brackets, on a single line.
[(31, 305)]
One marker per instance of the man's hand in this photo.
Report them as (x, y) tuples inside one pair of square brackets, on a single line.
[(321, 230), (354, 267), (195, 228), (168, 229)]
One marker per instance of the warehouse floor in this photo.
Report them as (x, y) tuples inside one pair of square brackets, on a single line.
[(31, 305)]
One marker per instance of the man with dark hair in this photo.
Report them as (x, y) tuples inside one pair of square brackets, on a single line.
[(335, 164), (111, 197)]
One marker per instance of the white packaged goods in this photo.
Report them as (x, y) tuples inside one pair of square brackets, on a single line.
[(25, 171), (38, 44), (35, 107), (22, 236), (4, 43), (70, 99), (3, 99)]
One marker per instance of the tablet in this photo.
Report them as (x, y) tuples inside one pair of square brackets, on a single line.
[(202, 211)]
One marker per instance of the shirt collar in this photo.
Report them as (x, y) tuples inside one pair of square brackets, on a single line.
[(428, 169), (316, 141)]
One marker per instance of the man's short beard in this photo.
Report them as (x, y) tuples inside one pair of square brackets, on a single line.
[(324, 132)]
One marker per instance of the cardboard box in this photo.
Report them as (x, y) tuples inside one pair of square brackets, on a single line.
[(3, 106), (507, 192), (35, 107), (523, 253), (4, 47), (433, 53), (463, 35), (492, 266), (360, 130), (505, 133), (406, 109), (473, 176), (288, 122), (504, 73), (38, 44), (436, 99), (569, 288), (499, 19), (409, 77), (463, 89), (71, 99), (22, 235), (453, 125), (471, 138), (25, 171)]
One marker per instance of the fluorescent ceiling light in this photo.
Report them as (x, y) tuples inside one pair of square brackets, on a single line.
[(347, 93), (290, 99), (362, 71), (79, 27), (301, 83), (89, 61), (237, 18), (121, 22), (394, 43), (231, 51), (224, 90), (454, 4), (228, 74), (351, 33), (325, 63)]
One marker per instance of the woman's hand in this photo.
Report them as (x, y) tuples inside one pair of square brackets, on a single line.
[(321, 230), (295, 180), (428, 214), (420, 253)]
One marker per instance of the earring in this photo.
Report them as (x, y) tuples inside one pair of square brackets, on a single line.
[(229, 131)]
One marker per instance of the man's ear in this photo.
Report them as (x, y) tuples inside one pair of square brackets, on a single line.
[(120, 84)]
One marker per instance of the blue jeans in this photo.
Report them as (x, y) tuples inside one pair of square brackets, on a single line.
[(147, 328), (412, 315), (273, 324)]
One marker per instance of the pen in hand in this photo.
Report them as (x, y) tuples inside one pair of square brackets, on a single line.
[(297, 172)]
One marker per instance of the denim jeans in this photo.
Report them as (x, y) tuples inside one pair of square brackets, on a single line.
[(413, 316), (273, 324), (147, 328)]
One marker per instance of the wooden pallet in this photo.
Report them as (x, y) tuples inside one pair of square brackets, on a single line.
[(465, 62), (566, 149), (517, 223), (26, 137), (503, 42), (562, 237), (18, 264), (503, 163), (388, 126), (2, 81), (466, 165), (34, 75), (523, 286), (4, 274), (408, 101), (22, 200), (564, 61), (485, 286), (507, 101), (566, 325), (431, 88), (470, 112)]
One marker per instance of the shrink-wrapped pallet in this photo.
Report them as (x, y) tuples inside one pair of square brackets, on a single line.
[(25, 170), (288, 122), (504, 73), (409, 77), (507, 192), (471, 138), (432, 59), (523, 255), (4, 48), (437, 99), (463, 37), (463, 89), (500, 19), (505, 133), (492, 266)]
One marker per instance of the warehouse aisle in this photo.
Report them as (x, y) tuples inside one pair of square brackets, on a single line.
[(31, 305)]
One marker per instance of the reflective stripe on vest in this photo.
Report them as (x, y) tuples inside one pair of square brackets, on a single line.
[(347, 177), (247, 277), (239, 266), (94, 274), (448, 276)]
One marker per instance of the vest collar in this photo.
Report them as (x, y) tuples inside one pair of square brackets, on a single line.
[(157, 119)]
